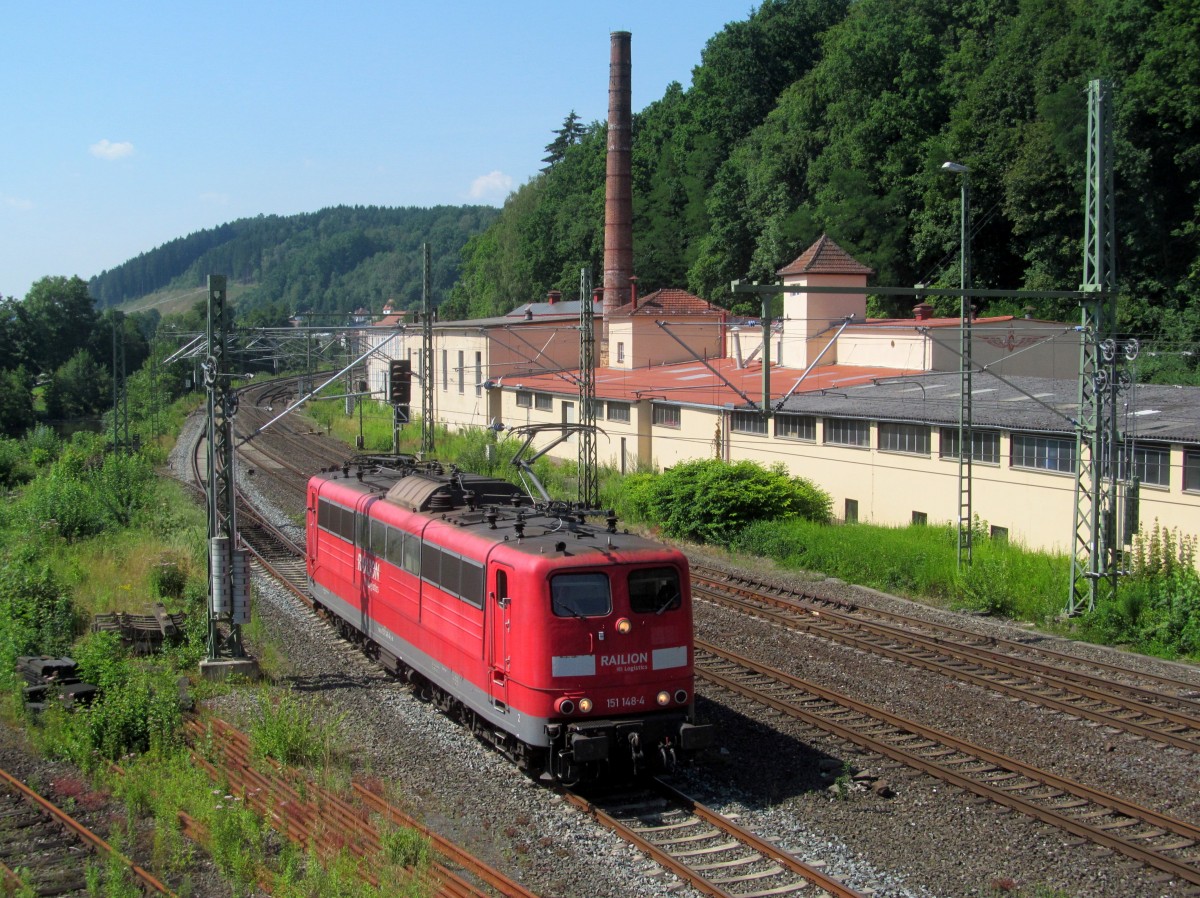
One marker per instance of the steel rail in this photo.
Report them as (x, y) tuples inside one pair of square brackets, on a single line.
[(1186, 833), (722, 826), (827, 623), (1061, 661), (60, 817), (303, 815)]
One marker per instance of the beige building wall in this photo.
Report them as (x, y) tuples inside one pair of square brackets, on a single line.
[(810, 319), (1021, 347), (1018, 348), (638, 341)]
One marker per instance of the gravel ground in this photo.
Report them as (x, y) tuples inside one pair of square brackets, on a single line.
[(926, 840)]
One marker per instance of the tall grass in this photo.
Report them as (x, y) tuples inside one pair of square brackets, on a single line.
[(919, 561)]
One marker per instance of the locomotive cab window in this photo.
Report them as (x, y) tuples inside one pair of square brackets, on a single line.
[(654, 590), (580, 595)]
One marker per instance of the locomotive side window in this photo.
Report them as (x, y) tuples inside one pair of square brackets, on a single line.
[(378, 538), (654, 590), (395, 545), (580, 595), (336, 519), (431, 563), (412, 555), (471, 583)]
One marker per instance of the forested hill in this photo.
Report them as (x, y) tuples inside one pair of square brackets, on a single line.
[(835, 116), (336, 259)]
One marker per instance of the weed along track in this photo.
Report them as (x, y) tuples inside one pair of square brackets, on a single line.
[(1165, 711), (45, 849), (1138, 832), (314, 817)]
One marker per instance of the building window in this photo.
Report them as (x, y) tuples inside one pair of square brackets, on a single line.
[(1043, 453), (479, 374), (1152, 464), (666, 416), (748, 422), (847, 432), (620, 352), (1191, 469), (445, 369), (999, 534), (618, 411), (461, 368), (920, 518), (985, 445), (912, 439), (796, 427), (524, 399), (851, 516), (543, 401)]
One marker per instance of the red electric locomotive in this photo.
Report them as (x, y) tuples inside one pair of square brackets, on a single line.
[(569, 645)]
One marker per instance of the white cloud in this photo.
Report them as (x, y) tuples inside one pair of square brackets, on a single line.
[(106, 149), (16, 202), (493, 186)]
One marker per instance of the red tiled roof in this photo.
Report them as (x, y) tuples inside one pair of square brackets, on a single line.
[(825, 257), (692, 382), (668, 301)]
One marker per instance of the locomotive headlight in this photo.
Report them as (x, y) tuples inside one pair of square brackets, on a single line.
[(681, 695), (585, 705), (565, 706), (624, 626), (664, 697)]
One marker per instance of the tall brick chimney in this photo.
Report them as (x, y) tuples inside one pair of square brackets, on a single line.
[(618, 202)]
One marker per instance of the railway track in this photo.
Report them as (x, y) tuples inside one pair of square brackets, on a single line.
[(47, 851), (706, 850), (1169, 712), (1145, 835), (315, 818)]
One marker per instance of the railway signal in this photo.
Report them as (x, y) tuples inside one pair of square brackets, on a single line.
[(399, 381)]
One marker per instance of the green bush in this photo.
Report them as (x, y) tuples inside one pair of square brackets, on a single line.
[(1156, 609), (286, 730), (37, 616), (710, 500), (86, 492), (15, 465), (138, 715)]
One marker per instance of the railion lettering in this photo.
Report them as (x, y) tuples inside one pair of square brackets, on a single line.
[(624, 660)]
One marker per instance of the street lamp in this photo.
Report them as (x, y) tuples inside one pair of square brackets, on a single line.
[(966, 448)]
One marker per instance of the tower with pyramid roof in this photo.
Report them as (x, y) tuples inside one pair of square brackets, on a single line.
[(810, 319)]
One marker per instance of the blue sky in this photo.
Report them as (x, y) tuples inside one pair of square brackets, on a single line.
[(127, 125)]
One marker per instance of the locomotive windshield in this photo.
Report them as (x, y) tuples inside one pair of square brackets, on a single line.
[(654, 590), (580, 595)]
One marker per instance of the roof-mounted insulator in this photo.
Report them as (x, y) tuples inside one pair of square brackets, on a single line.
[(560, 547), (611, 520), (490, 517)]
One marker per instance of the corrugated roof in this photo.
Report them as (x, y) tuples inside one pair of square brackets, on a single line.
[(825, 257), (540, 309), (1043, 404)]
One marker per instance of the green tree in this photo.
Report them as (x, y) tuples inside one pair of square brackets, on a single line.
[(79, 387), (56, 319), (568, 135), (16, 402)]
